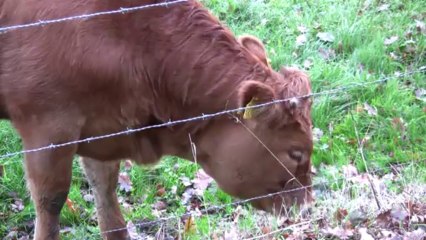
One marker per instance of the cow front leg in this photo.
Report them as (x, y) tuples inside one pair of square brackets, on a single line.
[(48, 178), (103, 178)]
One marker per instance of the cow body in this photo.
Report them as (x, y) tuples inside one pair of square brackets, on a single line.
[(109, 74), (70, 81)]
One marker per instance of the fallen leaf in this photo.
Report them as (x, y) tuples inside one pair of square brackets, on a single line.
[(124, 182), (357, 217), (302, 29), (341, 214), (132, 231), (326, 36), (383, 7), (349, 171), (201, 182), (398, 214), (173, 189), (364, 234), (160, 205), (340, 47), (128, 165), (420, 26), (398, 123), (266, 229), (359, 108), (231, 234), (384, 219), (338, 232), (185, 181), (67, 230), (88, 197), (389, 235), (416, 234), (17, 205), (187, 195), (317, 134), (160, 190), (11, 235), (421, 94), (393, 56), (389, 41), (372, 111), (307, 64), (70, 205), (301, 40), (327, 53)]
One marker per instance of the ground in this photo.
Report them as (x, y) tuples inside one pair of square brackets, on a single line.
[(378, 127)]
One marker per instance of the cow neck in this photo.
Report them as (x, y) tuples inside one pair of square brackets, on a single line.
[(200, 68)]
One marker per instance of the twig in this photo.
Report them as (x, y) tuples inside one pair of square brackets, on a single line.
[(361, 151)]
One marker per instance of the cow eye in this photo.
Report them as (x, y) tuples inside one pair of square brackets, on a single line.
[(296, 155)]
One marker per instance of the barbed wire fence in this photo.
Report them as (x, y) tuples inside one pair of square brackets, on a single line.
[(41, 23), (201, 117)]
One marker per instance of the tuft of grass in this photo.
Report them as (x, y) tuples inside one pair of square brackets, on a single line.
[(396, 134)]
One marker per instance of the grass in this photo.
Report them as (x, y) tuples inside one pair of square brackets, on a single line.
[(396, 134)]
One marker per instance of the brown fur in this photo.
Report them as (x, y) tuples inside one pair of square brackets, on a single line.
[(86, 78)]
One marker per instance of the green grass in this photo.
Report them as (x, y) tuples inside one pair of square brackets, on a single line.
[(360, 56)]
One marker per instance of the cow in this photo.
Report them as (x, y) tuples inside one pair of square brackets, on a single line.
[(90, 77)]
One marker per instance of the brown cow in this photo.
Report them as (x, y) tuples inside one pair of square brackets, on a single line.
[(74, 80)]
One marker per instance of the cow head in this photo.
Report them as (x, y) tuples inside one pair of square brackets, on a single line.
[(268, 149)]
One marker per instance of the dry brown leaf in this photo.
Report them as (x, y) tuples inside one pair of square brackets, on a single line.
[(383, 7), (17, 205), (265, 229), (421, 94), (307, 64), (128, 165), (70, 205), (124, 182), (327, 53), (201, 182), (389, 41), (301, 40), (359, 108), (160, 205), (420, 26), (302, 29), (364, 234), (372, 111), (326, 36), (349, 171), (1, 171), (317, 134), (160, 191), (189, 225), (338, 232), (341, 214)]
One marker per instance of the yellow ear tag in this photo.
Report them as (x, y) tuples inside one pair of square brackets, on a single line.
[(249, 113)]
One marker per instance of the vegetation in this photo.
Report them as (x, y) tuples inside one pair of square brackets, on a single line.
[(338, 43)]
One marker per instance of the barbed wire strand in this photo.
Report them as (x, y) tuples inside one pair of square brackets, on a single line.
[(87, 16), (239, 202), (207, 210), (206, 116)]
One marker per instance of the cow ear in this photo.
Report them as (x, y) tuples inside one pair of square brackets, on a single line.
[(254, 93), (255, 47)]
